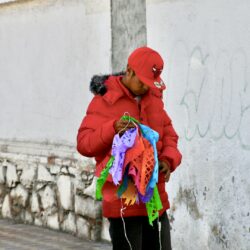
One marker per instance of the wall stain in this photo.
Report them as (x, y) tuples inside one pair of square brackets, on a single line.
[(171, 218), (233, 179), (188, 197), (217, 231), (206, 189)]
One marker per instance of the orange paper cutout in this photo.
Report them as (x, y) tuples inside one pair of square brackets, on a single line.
[(144, 163), (130, 194)]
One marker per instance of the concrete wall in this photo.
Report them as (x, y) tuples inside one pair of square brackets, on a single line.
[(57, 193), (206, 49), (49, 51)]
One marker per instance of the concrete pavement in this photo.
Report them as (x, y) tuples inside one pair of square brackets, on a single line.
[(15, 236)]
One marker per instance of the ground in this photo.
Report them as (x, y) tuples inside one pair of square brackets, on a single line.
[(26, 237)]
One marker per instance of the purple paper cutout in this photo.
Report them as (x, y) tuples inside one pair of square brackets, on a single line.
[(145, 198), (119, 147)]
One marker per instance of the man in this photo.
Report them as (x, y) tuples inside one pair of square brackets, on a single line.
[(138, 93)]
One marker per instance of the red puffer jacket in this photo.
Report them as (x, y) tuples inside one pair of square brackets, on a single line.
[(96, 133)]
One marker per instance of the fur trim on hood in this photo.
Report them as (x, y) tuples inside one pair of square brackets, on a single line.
[(97, 86)]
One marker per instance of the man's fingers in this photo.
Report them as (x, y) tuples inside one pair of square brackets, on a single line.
[(167, 177), (127, 126), (126, 122), (121, 126), (164, 168)]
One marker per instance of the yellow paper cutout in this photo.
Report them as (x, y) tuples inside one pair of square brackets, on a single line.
[(130, 194)]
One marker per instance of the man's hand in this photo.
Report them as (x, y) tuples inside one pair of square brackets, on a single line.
[(165, 168), (121, 126)]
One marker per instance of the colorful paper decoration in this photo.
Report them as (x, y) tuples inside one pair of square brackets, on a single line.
[(134, 168)]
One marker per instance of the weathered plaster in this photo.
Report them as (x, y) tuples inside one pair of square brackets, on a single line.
[(206, 51)]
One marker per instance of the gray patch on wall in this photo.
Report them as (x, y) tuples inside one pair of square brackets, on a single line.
[(128, 25)]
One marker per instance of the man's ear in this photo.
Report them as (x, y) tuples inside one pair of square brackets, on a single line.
[(129, 71)]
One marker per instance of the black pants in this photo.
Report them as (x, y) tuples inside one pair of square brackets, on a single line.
[(141, 235)]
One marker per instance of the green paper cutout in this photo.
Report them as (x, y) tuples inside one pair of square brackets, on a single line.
[(153, 206), (129, 118), (102, 178)]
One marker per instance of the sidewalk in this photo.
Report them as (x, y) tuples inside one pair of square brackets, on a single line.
[(26, 237)]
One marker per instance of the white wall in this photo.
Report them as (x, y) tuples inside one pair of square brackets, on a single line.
[(206, 49), (7, 1), (49, 50)]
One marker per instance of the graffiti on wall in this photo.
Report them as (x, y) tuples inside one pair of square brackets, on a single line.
[(212, 91)]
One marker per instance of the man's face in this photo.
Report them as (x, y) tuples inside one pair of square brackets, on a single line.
[(136, 86)]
